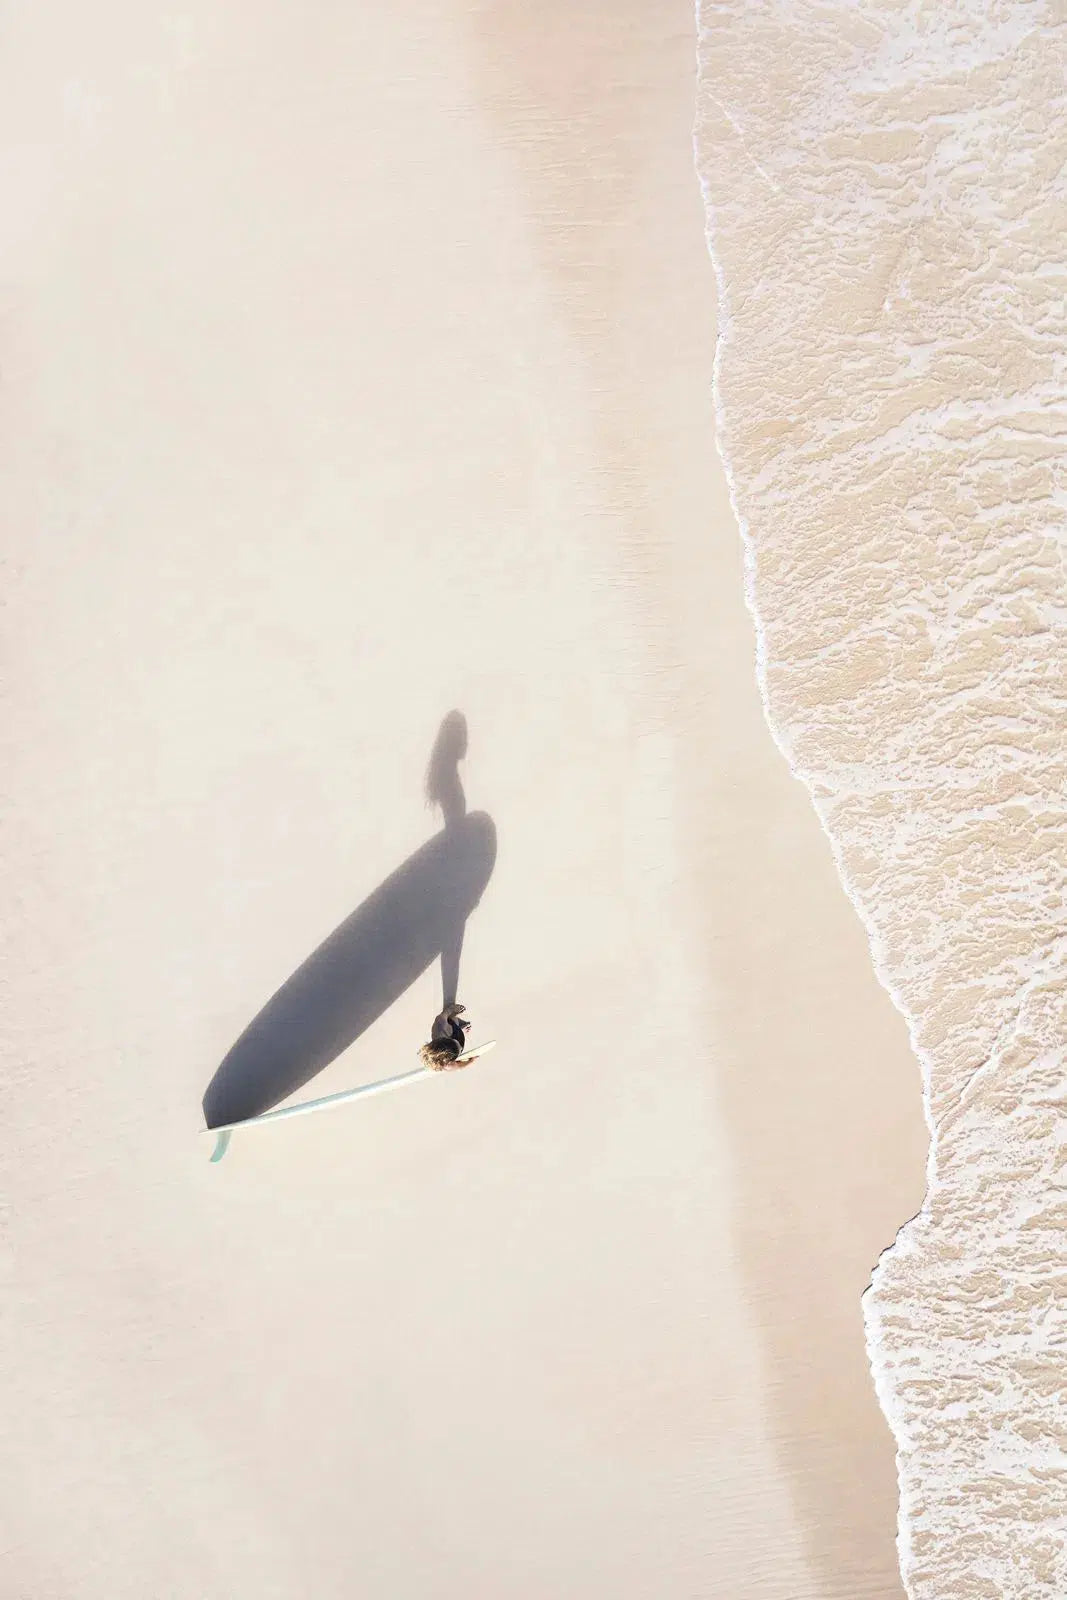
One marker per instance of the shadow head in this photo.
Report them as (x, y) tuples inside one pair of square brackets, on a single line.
[(443, 786)]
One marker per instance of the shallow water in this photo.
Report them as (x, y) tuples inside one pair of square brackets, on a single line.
[(885, 205)]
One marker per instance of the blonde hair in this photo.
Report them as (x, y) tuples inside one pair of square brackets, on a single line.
[(439, 1056)]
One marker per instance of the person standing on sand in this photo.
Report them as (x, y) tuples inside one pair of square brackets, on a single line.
[(448, 1040)]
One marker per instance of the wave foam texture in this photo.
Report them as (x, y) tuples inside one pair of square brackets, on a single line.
[(887, 209)]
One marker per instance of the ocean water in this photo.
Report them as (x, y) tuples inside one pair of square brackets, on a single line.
[(887, 211)]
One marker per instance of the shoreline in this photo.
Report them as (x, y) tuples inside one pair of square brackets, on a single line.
[(909, 666), (858, 1554)]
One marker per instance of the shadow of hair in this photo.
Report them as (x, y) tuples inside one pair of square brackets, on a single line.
[(417, 915), (444, 787)]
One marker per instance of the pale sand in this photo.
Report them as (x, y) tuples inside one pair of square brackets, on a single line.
[(308, 320)]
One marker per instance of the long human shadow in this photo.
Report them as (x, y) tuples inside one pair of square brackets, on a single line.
[(416, 916)]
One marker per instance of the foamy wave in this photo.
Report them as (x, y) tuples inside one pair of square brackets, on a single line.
[(886, 206)]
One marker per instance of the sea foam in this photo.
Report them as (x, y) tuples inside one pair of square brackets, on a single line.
[(886, 212)]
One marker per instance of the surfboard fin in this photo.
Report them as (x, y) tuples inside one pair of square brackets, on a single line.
[(222, 1144)]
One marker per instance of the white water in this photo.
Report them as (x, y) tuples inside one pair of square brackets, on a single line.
[(886, 210)]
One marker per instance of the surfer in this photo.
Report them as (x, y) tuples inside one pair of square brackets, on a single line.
[(448, 1040)]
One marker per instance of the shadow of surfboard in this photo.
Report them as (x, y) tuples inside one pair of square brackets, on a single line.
[(415, 917)]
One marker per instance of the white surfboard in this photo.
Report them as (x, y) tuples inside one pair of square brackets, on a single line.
[(224, 1133)]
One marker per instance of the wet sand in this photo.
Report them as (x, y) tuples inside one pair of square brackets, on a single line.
[(361, 372)]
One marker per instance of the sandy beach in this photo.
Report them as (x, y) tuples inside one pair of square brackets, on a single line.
[(359, 372)]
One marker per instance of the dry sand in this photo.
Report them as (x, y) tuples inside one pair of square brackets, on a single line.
[(358, 369)]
